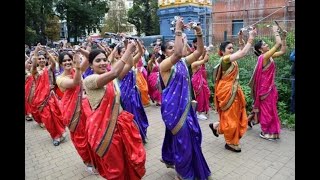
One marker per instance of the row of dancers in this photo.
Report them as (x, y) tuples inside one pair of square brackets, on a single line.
[(100, 95)]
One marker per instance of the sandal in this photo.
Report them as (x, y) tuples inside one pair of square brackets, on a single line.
[(91, 170), (56, 143), (266, 136), (167, 165), (227, 146), (215, 133)]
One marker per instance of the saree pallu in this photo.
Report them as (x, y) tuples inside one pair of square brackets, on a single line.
[(46, 106), (28, 94), (75, 119), (114, 139), (142, 69), (131, 102), (201, 90), (153, 78), (41, 92), (231, 105), (265, 96), (182, 143), (143, 87), (51, 116)]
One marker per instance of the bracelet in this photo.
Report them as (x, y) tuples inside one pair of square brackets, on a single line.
[(241, 43), (178, 33), (78, 68), (199, 35), (250, 41)]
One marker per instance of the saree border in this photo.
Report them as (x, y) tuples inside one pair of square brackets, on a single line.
[(234, 88), (76, 114), (107, 137), (183, 118)]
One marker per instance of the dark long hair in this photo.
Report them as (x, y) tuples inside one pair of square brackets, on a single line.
[(257, 46), (95, 53)]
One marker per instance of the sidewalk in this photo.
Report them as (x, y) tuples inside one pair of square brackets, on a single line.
[(259, 159)]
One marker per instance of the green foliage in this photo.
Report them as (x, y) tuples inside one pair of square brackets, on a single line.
[(134, 15), (81, 15), (116, 21), (144, 16), (36, 12), (52, 29)]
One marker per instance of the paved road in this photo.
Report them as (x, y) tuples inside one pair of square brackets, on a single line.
[(259, 159)]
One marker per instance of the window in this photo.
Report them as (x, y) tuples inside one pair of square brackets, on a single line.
[(236, 26)]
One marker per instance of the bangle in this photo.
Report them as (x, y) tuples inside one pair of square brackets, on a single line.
[(250, 41), (77, 67), (178, 33), (241, 42)]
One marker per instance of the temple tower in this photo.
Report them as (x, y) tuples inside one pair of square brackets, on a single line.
[(190, 10)]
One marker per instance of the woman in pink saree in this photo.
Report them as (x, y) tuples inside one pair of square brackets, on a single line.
[(263, 87), (200, 86), (154, 92)]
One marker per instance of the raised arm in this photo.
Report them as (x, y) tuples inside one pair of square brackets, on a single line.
[(137, 57), (200, 47), (241, 41), (283, 49), (115, 71), (194, 65), (167, 63), (241, 53), (35, 57), (269, 53)]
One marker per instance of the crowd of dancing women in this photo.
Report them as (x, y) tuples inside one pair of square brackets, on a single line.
[(99, 94)]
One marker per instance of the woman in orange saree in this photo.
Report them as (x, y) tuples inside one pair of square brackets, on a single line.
[(112, 135), (142, 84), (263, 87), (228, 97)]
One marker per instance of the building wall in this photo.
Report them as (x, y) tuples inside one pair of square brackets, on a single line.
[(250, 11)]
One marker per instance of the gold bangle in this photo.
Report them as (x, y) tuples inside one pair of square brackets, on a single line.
[(250, 41)]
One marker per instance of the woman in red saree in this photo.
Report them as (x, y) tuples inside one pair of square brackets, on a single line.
[(263, 87), (112, 135), (228, 96), (69, 82), (27, 89), (45, 104)]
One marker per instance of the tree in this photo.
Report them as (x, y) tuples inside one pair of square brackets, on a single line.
[(134, 17), (52, 29), (36, 12), (82, 16), (144, 16), (116, 20)]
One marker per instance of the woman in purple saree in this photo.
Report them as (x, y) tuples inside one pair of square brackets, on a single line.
[(263, 87), (182, 143)]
